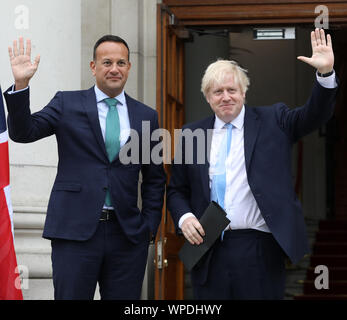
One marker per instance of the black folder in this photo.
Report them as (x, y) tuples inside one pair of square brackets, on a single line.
[(213, 221)]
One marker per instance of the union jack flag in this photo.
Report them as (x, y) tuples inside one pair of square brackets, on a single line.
[(9, 277)]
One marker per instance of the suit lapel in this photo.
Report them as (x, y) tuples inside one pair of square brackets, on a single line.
[(251, 130), (89, 103), (135, 122)]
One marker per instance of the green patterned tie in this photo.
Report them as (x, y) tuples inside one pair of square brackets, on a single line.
[(112, 136)]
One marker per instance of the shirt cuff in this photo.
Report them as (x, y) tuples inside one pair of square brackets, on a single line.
[(184, 217), (327, 82), (13, 91)]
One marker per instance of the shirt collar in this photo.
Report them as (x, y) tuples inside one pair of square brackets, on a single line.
[(237, 122), (100, 95)]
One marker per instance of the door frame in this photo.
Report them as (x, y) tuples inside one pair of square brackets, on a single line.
[(169, 270)]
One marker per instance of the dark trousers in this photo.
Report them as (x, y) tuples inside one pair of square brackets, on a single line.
[(108, 258), (247, 264)]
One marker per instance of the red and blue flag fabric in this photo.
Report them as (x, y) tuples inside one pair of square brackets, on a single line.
[(10, 288)]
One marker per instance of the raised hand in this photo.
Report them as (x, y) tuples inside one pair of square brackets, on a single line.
[(22, 67), (322, 52)]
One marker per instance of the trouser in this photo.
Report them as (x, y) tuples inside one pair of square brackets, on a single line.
[(247, 264), (108, 258)]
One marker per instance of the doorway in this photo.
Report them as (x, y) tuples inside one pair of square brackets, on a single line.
[(275, 76), (196, 46)]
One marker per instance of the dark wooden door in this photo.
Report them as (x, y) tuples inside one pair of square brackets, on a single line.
[(169, 270)]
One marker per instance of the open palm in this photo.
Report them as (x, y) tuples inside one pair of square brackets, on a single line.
[(322, 52), (23, 68)]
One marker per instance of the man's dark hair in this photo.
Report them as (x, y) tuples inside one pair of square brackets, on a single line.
[(110, 38)]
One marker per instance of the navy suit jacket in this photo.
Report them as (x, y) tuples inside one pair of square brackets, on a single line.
[(84, 171), (269, 133)]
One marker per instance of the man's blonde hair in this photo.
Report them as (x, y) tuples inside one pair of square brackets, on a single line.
[(218, 70)]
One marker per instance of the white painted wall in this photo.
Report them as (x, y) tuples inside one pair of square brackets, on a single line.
[(55, 30)]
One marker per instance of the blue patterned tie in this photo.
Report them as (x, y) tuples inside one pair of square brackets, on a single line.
[(112, 134), (219, 176)]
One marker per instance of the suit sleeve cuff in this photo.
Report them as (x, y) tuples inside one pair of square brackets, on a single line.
[(327, 82), (12, 91), (184, 217)]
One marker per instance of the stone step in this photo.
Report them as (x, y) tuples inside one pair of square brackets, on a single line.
[(35, 265), (29, 220), (31, 241), (42, 289), (33, 253), (38, 289)]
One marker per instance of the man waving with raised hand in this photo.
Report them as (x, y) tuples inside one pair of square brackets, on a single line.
[(253, 182), (98, 233)]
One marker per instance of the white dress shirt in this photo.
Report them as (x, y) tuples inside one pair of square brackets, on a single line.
[(240, 205), (123, 115)]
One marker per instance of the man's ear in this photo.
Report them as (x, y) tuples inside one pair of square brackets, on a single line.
[(92, 67), (206, 97)]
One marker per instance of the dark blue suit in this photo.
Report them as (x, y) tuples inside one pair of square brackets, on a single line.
[(269, 133), (84, 172)]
